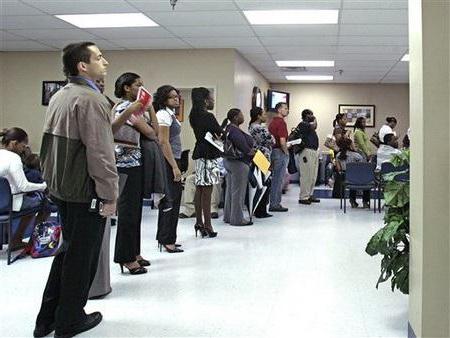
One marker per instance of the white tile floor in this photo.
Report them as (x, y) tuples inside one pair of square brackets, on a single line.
[(299, 274)]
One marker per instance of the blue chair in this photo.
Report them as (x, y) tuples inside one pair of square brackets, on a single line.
[(359, 176), (7, 216)]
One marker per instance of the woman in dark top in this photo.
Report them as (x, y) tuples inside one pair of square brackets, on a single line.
[(339, 124), (263, 142), (237, 170), (207, 171)]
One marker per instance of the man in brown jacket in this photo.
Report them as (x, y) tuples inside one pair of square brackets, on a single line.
[(79, 167)]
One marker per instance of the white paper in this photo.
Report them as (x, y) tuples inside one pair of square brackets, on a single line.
[(215, 142), (294, 142)]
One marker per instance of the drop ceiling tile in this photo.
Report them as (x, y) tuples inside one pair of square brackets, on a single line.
[(82, 6), (24, 46), (301, 55), (366, 57), (299, 40), (15, 7), (375, 4), (223, 42), (208, 18), (295, 30), (130, 33), (305, 50), (34, 22), (399, 50), (364, 64), (398, 16), (151, 43), (388, 80), (211, 31), (373, 40), (10, 36), (102, 44), (290, 4), (183, 5), (252, 50), (377, 30), (54, 34)]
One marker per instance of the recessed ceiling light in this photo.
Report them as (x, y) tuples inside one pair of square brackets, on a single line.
[(405, 57), (108, 20), (292, 17), (309, 77), (300, 63)]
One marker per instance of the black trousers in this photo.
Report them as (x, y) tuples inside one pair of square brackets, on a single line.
[(73, 268), (129, 207), (168, 221), (366, 195), (261, 209)]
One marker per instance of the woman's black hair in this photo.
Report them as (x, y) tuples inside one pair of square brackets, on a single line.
[(337, 118), (126, 79), (13, 134), (232, 114), (306, 112), (254, 113), (344, 144), (391, 120), (359, 123), (161, 96), (199, 96)]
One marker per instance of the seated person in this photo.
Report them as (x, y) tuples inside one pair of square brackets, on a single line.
[(348, 154), (14, 143), (387, 149), (188, 205)]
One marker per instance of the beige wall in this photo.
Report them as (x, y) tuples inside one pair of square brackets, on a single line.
[(323, 100), (429, 35), (25, 72), (2, 83), (245, 78)]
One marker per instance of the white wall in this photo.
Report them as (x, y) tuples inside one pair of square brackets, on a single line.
[(245, 78), (323, 100), (25, 72)]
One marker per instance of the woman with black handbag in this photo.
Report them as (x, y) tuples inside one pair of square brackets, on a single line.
[(238, 155)]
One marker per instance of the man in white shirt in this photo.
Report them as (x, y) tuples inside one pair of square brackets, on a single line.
[(388, 128), (388, 149)]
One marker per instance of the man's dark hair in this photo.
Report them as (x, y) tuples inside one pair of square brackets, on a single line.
[(73, 54), (388, 138), (306, 112), (279, 105), (391, 120)]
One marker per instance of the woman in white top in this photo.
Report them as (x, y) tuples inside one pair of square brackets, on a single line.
[(14, 142), (388, 128), (166, 100)]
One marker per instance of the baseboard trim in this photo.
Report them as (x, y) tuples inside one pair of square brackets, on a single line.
[(411, 333)]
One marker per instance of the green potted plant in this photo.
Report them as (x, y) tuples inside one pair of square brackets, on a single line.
[(392, 241)]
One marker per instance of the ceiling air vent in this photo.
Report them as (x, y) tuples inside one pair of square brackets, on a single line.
[(294, 69)]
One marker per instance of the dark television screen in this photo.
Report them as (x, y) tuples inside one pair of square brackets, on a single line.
[(275, 96)]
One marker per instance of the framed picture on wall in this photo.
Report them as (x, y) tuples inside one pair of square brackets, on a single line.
[(49, 88), (353, 111), (179, 112)]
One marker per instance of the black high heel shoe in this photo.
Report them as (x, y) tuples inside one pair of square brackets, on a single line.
[(133, 271), (201, 229), (144, 262), (169, 250), (210, 233)]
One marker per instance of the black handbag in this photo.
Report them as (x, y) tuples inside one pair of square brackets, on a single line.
[(230, 151), (127, 135), (292, 166), (294, 135)]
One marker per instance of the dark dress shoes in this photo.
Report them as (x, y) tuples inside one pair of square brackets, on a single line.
[(43, 330), (91, 321)]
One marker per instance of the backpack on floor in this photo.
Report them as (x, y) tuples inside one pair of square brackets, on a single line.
[(45, 240)]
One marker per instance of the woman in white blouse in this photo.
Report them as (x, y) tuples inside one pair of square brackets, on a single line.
[(13, 144), (388, 128)]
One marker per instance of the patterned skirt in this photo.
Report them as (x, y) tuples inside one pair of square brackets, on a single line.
[(207, 172)]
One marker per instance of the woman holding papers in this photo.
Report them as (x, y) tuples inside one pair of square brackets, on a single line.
[(237, 169), (129, 113), (207, 171), (166, 100), (263, 142)]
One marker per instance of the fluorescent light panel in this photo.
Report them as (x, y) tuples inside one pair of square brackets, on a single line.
[(301, 63), (309, 77), (292, 17), (108, 20), (405, 58)]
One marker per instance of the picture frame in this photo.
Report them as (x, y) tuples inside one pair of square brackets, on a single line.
[(353, 111), (49, 88)]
